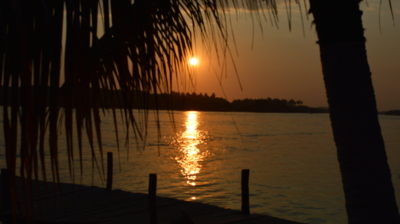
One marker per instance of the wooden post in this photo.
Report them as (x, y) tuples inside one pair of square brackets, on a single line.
[(5, 190), (152, 198), (109, 170), (245, 191)]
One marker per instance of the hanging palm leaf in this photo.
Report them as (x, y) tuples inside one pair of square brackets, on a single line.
[(62, 62)]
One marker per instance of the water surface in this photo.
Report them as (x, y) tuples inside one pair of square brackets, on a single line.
[(294, 173)]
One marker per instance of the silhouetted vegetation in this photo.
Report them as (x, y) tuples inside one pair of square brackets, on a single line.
[(191, 101), (392, 112), (274, 105), (205, 102)]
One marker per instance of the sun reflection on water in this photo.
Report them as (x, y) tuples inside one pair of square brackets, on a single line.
[(191, 156)]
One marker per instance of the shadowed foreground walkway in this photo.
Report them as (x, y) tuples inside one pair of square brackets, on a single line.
[(82, 204)]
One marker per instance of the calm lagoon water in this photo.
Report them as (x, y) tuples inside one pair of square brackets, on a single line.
[(294, 173)]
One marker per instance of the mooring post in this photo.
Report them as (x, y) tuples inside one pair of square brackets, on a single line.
[(245, 191), (5, 190), (152, 198), (109, 170)]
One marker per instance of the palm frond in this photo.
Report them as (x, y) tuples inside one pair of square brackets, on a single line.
[(60, 65)]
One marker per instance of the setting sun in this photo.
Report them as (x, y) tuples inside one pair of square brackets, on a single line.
[(193, 61)]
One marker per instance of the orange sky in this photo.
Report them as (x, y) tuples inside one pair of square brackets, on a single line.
[(286, 65)]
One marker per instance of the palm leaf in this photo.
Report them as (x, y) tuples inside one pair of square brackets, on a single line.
[(57, 73)]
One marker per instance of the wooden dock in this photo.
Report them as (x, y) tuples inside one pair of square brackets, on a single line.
[(83, 204)]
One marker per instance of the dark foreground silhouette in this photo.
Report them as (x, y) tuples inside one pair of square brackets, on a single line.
[(72, 203)]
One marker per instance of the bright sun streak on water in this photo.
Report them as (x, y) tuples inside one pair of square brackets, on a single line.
[(191, 156)]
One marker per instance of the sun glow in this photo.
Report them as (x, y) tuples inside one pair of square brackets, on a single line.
[(193, 61)]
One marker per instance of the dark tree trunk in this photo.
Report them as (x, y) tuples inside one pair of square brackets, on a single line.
[(361, 152)]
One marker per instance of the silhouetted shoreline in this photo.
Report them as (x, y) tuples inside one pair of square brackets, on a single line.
[(391, 112), (173, 101), (180, 102)]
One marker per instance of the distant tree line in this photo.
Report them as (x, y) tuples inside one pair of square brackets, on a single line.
[(269, 105), (205, 102), (392, 112), (194, 101), (191, 101)]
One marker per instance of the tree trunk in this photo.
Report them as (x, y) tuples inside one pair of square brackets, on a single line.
[(361, 152)]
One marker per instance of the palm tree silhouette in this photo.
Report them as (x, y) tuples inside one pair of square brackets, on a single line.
[(144, 47), (361, 152)]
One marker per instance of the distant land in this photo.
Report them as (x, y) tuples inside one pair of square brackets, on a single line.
[(205, 102), (163, 101), (178, 101), (391, 112)]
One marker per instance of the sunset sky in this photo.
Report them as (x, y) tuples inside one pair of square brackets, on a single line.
[(286, 65)]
